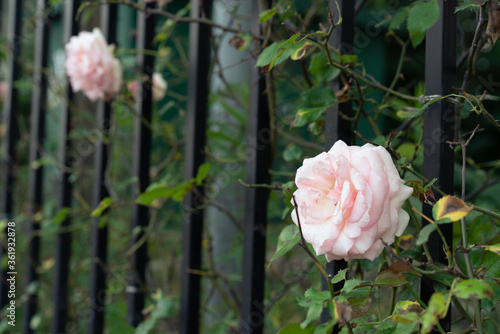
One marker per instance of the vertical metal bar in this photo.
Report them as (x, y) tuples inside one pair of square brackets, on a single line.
[(10, 108), (63, 241), (258, 153), (141, 154), (439, 126), (37, 136), (199, 57), (337, 128), (100, 231)]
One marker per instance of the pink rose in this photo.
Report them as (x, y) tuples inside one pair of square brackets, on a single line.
[(91, 66), (159, 87), (349, 200)]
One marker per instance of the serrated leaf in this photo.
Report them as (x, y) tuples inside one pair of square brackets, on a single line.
[(421, 17), (288, 238), (425, 233), (340, 276), (473, 289), (313, 296), (350, 284), (103, 205), (450, 209)]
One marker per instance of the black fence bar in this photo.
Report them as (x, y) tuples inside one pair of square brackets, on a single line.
[(37, 135), (10, 108), (337, 128), (258, 154), (440, 72), (141, 155), (199, 59), (99, 246), (63, 241)]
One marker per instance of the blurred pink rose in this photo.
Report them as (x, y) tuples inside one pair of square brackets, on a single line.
[(159, 87), (91, 66), (350, 199)]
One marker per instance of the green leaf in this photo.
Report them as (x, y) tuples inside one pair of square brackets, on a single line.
[(325, 328), (422, 16), (267, 14), (274, 54), (202, 173), (340, 276), (321, 70), (313, 296), (288, 238), (288, 189), (470, 4), (399, 18), (313, 313), (319, 96), (349, 285), (473, 289), (349, 59), (103, 205), (61, 215), (149, 196), (296, 329), (481, 230), (436, 310), (292, 152), (425, 233), (307, 115)]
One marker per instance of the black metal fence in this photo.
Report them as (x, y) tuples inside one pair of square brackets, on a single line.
[(440, 77)]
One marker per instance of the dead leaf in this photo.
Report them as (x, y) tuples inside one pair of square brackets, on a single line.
[(493, 28)]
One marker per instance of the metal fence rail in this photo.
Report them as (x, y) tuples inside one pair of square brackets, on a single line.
[(438, 160)]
